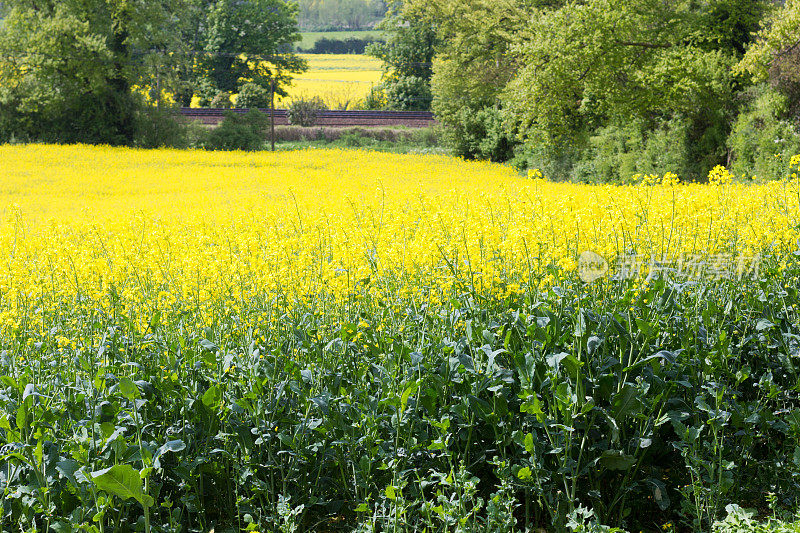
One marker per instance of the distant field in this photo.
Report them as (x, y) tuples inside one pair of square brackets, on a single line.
[(337, 79), (311, 37)]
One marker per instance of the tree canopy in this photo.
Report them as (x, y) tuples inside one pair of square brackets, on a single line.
[(72, 71)]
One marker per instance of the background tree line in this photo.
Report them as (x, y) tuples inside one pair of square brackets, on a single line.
[(327, 15), (83, 71), (600, 90)]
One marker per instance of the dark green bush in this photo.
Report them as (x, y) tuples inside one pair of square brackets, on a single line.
[(762, 142), (239, 131), (351, 45), (303, 111), (253, 96), (480, 135), (408, 93), (157, 128)]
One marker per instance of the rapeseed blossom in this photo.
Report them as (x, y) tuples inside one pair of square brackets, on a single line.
[(166, 233)]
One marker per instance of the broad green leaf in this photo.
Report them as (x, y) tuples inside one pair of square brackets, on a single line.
[(617, 460), (411, 389), (129, 389), (212, 398), (529, 443), (626, 402), (122, 481)]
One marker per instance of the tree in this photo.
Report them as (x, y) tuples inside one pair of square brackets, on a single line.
[(68, 68), (325, 15), (407, 57), (775, 55), (471, 68), (249, 41), (596, 63)]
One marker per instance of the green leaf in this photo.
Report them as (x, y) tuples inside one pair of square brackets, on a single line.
[(122, 481), (763, 324), (617, 460), (129, 389), (212, 398), (208, 345), (390, 493), (411, 389), (172, 446), (626, 402), (529, 443)]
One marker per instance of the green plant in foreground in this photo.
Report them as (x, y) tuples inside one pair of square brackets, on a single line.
[(585, 407)]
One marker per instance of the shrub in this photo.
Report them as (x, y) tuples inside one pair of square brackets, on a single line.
[(239, 131), (480, 135), (222, 100), (303, 111), (408, 93), (376, 98), (157, 128), (761, 142), (351, 45), (253, 96), (616, 153)]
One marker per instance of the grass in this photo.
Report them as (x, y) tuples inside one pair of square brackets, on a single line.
[(396, 140)]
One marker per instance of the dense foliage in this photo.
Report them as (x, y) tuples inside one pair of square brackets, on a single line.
[(231, 341), (349, 45), (84, 71), (579, 90), (406, 56), (324, 15)]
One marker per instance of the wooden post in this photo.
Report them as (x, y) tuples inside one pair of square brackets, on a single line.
[(272, 111)]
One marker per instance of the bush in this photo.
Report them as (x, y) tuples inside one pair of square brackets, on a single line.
[(222, 100), (742, 521), (408, 93), (376, 98), (617, 153), (480, 135), (239, 131), (761, 142), (351, 45), (303, 111), (157, 128), (253, 96)]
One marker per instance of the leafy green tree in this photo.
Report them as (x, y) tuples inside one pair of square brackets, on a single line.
[(775, 56), (340, 14), (590, 64), (68, 68), (407, 57), (249, 41), (471, 68), (779, 36)]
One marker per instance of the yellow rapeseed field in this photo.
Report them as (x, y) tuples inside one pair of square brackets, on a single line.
[(166, 230), (337, 79)]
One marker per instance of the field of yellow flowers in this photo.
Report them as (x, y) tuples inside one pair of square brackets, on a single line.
[(339, 79), (346, 339)]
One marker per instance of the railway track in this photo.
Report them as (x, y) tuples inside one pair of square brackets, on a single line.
[(412, 119)]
